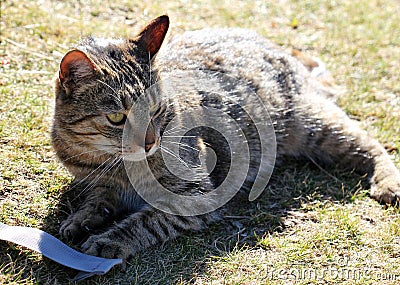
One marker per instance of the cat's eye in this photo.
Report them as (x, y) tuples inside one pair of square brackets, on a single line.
[(116, 118)]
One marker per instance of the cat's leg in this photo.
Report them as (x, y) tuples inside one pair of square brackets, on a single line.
[(141, 230), (99, 207), (329, 136)]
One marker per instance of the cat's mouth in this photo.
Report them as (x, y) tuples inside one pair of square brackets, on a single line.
[(139, 153)]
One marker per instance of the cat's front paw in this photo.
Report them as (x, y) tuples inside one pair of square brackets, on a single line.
[(108, 245), (387, 191), (89, 218)]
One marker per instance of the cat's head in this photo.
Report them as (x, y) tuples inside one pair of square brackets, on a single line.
[(98, 84)]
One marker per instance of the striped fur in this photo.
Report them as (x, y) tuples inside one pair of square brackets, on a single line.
[(104, 76)]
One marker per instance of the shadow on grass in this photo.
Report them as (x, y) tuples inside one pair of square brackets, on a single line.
[(245, 223)]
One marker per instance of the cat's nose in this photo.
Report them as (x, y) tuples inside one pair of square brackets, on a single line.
[(150, 140), (148, 146)]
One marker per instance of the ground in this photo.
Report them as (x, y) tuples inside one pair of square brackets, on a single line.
[(307, 228)]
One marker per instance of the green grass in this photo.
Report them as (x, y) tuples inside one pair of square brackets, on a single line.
[(304, 223)]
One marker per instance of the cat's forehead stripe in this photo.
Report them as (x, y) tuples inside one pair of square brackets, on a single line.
[(124, 77)]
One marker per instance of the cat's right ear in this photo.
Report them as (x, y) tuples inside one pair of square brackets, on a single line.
[(75, 69), (152, 36)]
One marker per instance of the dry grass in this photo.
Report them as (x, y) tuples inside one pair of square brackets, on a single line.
[(304, 223)]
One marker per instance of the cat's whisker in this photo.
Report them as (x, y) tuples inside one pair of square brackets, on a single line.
[(116, 168), (179, 136), (166, 150), (183, 145), (174, 130), (101, 174), (149, 66), (107, 85), (82, 181), (83, 153)]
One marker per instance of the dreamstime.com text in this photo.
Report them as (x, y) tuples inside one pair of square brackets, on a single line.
[(329, 273)]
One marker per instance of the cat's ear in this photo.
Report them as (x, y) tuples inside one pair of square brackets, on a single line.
[(75, 68), (152, 36)]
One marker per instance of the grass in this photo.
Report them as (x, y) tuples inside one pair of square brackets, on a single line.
[(305, 223)]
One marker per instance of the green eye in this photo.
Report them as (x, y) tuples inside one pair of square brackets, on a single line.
[(116, 118)]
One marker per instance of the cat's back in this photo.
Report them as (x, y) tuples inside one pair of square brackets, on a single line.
[(279, 79), (230, 50)]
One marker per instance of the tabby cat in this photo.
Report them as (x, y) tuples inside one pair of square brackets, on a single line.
[(101, 79)]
